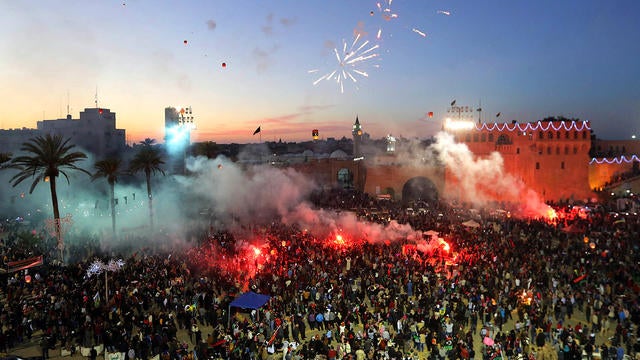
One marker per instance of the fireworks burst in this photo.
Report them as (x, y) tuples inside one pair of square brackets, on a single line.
[(384, 8), (351, 62), (97, 267)]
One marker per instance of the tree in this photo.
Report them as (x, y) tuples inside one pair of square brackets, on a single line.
[(5, 159), (46, 158), (110, 169), (148, 142), (207, 148), (148, 160)]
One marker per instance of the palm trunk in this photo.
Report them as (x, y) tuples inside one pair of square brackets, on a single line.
[(113, 208), (56, 217), (148, 174)]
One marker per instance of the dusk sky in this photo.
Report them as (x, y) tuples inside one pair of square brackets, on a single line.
[(525, 59)]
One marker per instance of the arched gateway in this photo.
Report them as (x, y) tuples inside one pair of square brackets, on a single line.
[(419, 189)]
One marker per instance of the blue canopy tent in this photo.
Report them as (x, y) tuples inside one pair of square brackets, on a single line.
[(248, 300)]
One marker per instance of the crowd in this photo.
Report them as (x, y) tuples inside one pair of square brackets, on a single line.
[(359, 300)]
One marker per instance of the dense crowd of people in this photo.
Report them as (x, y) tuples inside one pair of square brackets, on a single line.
[(508, 287)]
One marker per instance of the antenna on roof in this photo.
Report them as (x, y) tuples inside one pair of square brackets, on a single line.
[(68, 103), (96, 98)]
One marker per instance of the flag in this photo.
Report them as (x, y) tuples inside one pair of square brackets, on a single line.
[(273, 337), (257, 130), (498, 114), (453, 102)]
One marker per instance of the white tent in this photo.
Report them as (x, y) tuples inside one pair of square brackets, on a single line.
[(471, 223)]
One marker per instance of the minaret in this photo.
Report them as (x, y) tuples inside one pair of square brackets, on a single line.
[(357, 139)]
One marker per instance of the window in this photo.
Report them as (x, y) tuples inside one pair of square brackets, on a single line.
[(575, 134), (566, 150), (503, 140), (584, 135), (548, 150), (475, 137), (550, 135), (517, 150), (540, 135), (562, 165), (575, 150), (467, 138), (558, 135), (557, 150), (483, 137), (566, 134), (490, 137), (537, 166)]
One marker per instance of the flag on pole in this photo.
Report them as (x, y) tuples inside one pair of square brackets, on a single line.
[(257, 130), (498, 114), (273, 337), (453, 102)]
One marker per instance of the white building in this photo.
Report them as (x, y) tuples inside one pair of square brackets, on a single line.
[(94, 132)]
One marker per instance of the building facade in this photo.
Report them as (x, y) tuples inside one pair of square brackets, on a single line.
[(548, 157), (95, 131)]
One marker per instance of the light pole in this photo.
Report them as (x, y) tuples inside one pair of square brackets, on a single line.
[(185, 125)]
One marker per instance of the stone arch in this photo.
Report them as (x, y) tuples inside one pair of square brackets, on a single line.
[(345, 178), (420, 188)]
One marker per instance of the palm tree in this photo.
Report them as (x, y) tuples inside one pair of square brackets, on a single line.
[(147, 142), (4, 160), (47, 157), (110, 169), (148, 159), (208, 148)]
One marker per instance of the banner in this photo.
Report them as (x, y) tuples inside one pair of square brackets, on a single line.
[(14, 266)]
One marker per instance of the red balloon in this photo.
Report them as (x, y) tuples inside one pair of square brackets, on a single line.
[(224, 64), (185, 42)]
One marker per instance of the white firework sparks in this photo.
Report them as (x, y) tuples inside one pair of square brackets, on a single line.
[(95, 268), (419, 32), (443, 12), (115, 265), (350, 62)]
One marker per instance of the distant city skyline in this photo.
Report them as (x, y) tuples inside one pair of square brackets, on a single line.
[(249, 63)]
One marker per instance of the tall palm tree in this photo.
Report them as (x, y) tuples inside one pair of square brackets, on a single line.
[(46, 158), (110, 169), (148, 160)]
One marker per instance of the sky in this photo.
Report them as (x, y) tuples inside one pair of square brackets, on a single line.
[(241, 64)]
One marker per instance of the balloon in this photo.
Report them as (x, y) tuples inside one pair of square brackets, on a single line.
[(224, 64), (185, 42)]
